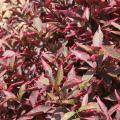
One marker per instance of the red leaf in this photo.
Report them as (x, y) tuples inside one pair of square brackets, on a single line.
[(47, 2), (39, 109), (113, 109), (47, 69), (33, 97), (117, 96), (103, 108), (83, 56), (69, 84)]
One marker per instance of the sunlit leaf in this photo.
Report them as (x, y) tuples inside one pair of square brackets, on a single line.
[(7, 14), (116, 25), (90, 106), (112, 52), (85, 100), (86, 13), (59, 77), (69, 102), (68, 115), (37, 23), (98, 38), (22, 90)]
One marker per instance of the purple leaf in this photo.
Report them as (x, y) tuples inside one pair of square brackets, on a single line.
[(33, 97), (39, 109), (72, 83), (103, 108)]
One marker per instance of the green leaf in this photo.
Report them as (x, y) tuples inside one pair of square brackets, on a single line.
[(82, 108), (68, 115), (22, 90), (69, 102), (65, 51), (59, 77), (92, 105), (37, 23), (45, 81)]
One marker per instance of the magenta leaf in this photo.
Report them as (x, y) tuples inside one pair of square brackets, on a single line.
[(103, 108)]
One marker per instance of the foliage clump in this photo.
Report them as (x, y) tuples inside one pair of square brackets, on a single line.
[(59, 59)]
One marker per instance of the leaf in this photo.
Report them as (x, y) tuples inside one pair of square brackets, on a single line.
[(48, 56), (22, 2), (2, 73), (59, 77), (98, 38), (103, 108), (71, 75), (72, 33), (9, 95), (68, 115), (88, 75), (69, 102), (115, 32), (112, 52), (37, 23), (10, 56), (14, 1), (83, 56), (25, 118), (65, 51), (42, 81), (85, 48), (85, 100), (72, 83), (86, 78), (47, 2), (111, 97), (117, 96), (33, 97), (52, 96), (47, 69), (7, 14), (116, 25), (113, 109), (90, 106), (22, 90), (86, 13), (37, 110)]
